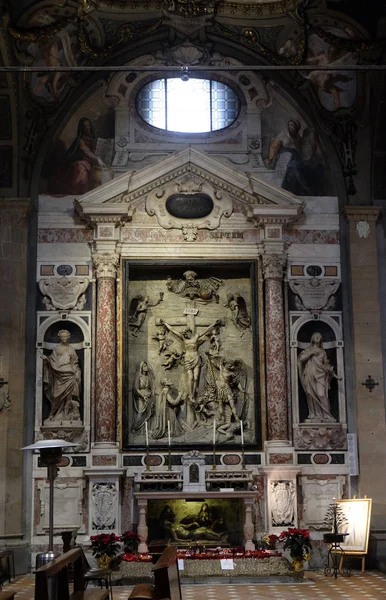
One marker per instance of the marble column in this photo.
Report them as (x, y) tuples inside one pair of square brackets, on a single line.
[(106, 364), (273, 266), (249, 529)]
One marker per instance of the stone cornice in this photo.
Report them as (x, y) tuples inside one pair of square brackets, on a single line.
[(362, 213), (273, 214)]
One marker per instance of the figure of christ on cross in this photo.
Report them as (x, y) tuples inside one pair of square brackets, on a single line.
[(191, 342)]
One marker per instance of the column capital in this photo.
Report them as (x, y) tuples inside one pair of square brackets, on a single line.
[(362, 213), (273, 265), (106, 265)]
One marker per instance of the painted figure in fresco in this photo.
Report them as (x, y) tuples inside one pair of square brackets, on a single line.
[(62, 377), (189, 532), (165, 410), (330, 82), (143, 395), (77, 172), (237, 305), (282, 503), (304, 171), (315, 374), (191, 342), (138, 311), (191, 287)]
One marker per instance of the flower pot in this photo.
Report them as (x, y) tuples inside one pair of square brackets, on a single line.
[(297, 564), (104, 561)]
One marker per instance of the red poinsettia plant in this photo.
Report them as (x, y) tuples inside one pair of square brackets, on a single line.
[(297, 541), (105, 543), (269, 541), (130, 541)]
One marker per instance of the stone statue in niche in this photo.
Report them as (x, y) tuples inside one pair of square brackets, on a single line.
[(282, 503), (316, 373), (240, 317), (165, 411), (191, 342), (143, 395), (189, 286), (138, 311), (62, 379), (104, 497), (193, 530)]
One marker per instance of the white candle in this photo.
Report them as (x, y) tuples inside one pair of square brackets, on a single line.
[(242, 432), (169, 432), (214, 432), (147, 434)]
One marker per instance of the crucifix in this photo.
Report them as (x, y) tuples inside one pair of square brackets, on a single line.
[(191, 341)]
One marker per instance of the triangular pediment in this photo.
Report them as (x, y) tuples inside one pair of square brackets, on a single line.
[(187, 170)]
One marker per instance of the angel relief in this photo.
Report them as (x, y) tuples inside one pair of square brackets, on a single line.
[(191, 287), (139, 306)]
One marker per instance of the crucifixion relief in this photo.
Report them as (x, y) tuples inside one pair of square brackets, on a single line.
[(191, 340)]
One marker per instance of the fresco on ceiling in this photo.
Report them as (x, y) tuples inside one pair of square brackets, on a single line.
[(334, 89), (48, 44), (80, 160)]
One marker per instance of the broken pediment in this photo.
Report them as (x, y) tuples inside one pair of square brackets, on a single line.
[(188, 190)]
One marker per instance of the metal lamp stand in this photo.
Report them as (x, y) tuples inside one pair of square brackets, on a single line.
[(51, 452)]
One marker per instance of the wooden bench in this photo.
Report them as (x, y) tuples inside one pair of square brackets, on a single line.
[(166, 579), (52, 581), (7, 595)]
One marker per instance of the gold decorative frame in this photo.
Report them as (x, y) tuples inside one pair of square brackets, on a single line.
[(358, 514)]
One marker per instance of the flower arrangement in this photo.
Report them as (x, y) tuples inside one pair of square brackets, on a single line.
[(269, 541), (105, 544), (298, 542), (130, 541)]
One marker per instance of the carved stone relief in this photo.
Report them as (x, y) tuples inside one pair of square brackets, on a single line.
[(282, 503), (64, 293), (314, 294), (193, 193), (189, 379), (104, 497), (328, 438)]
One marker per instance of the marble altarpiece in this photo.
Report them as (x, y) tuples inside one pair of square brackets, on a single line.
[(189, 329)]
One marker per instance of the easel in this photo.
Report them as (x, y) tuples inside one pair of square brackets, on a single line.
[(353, 553)]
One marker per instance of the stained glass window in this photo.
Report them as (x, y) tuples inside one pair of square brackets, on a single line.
[(192, 106)]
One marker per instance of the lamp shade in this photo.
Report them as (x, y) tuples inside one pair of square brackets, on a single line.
[(46, 444)]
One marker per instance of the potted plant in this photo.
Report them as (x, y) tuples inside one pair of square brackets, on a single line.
[(269, 541), (298, 542), (104, 547), (130, 541)]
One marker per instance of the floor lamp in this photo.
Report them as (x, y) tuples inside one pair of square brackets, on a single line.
[(51, 452)]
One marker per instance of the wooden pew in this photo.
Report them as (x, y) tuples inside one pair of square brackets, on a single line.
[(52, 582), (7, 595), (166, 579)]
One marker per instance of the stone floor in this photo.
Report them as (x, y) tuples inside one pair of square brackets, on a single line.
[(370, 585)]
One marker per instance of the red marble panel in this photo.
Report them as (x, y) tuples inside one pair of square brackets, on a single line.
[(280, 459), (104, 460), (321, 459), (105, 377), (66, 236), (232, 459), (310, 236), (275, 361)]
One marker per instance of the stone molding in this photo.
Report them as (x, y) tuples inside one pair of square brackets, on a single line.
[(362, 213)]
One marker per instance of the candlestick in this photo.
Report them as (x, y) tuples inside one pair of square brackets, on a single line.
[(146, 434), (242, 445), (214, 445), (169, 433), (242, 432), (147, 447)]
